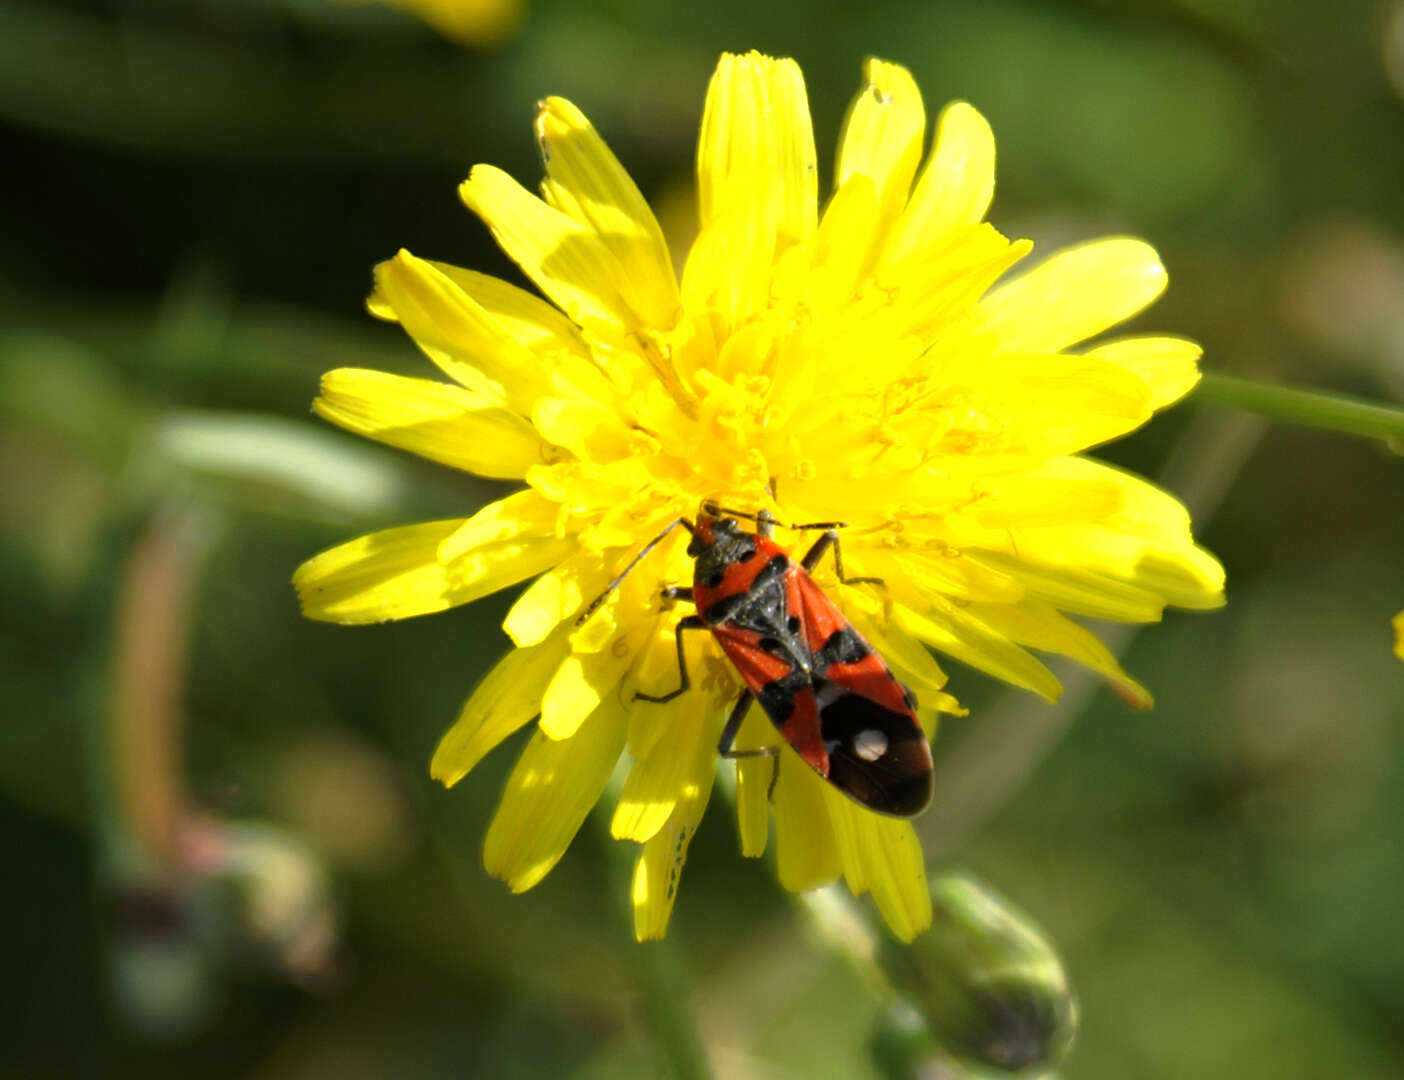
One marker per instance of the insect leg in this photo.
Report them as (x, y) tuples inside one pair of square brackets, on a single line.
[(830, 539), (728, 736), (599, 600), (688, 622)]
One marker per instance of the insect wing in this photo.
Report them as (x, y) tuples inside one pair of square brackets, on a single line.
[(782, 690), (877, 752)]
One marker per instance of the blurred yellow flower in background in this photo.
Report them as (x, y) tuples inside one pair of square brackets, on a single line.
[(479, 24), (860, 365), (1398, 622)]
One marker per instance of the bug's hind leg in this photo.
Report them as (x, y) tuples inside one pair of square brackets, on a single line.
[(728, 737)]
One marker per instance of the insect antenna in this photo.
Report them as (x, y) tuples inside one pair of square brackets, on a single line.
[(765, 517), (596, 603)]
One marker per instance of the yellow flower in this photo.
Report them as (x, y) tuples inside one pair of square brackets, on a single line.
[(1398, 622), (860, 365)]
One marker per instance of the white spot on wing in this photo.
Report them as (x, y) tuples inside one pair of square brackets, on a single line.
[(870, 745)]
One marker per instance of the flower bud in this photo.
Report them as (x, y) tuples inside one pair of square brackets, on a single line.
[(985, 980)]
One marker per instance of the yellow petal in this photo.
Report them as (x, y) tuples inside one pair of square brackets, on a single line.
[(556, 596), (956, 185), (883, 856), (897, 875), (756, 148), (435, 420), (847, 841), (397, 573), (378, 305), (583, 681), (585, 428), (1398, 624), (882, 133), (669, 775), (756, 181), (1183, 574), (879, 151), (657, 673), (1054, 404), (566, 260), (530, 321), (1056, 492), (1075, 294), (552, 788), (1145, 543), (845, 244), (753, 778), (1169, 366), (520, 516), (806, 852), (587, 182), (1040, 626), (458, 334), (1077, 590), (953, 631), (944, 571), (508, 697), (932, 292), (658, 869)]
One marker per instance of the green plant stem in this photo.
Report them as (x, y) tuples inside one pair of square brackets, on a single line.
[(664, 990), (667, 1000), (1311, 408)]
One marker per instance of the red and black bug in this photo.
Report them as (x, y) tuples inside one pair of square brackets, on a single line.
[(823, 686)]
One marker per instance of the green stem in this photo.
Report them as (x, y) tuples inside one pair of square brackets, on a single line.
[(669, 1008), (1311, 408), (663, 986)]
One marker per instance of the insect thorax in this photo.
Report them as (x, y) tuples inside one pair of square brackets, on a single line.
[(729, 544)]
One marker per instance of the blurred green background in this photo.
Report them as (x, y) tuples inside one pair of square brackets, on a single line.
[(193, 197)]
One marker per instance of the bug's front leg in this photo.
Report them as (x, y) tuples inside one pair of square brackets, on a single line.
[(830, 539)]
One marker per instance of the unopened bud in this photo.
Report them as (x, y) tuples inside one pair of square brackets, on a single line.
[(986, 980)]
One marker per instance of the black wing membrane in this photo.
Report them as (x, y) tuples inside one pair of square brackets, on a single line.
[(879, 757)]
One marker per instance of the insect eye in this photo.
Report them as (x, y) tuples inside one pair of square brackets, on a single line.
[(696, 546)]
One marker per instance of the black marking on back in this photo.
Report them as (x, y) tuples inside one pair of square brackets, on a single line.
[(844, 646), (764, 609), (777, 697), (772, 571), (722, 609)]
